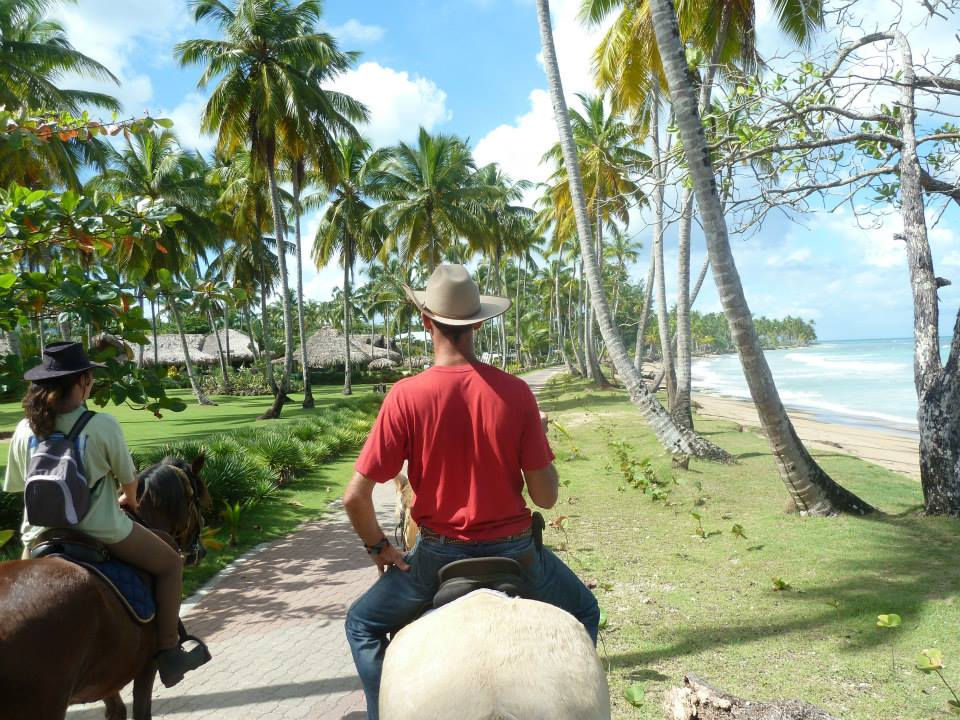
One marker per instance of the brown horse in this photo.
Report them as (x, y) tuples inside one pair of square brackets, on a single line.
[(65, 638)]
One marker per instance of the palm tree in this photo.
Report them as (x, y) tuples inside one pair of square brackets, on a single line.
[(350, 229), (34, 54), (606, 151), (812, 490), (315, 144), (153, 165), (428, 198), (266, 84), (673, 437), (628, 62)]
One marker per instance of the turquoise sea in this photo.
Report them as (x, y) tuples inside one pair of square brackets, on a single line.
[(858, 382)]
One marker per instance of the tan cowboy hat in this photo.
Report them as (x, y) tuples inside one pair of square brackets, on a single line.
[(453, 298)]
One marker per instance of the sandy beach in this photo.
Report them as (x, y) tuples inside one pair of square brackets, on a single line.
[(896, 451)]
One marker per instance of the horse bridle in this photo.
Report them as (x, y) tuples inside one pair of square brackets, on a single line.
[(192, 555)]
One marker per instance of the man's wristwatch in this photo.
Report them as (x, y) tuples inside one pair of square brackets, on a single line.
[(378, 548)]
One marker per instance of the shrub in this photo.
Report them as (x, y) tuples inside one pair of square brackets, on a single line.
[(318, 451), (232, 475), (304, 431), (282, 453), (187, 450)]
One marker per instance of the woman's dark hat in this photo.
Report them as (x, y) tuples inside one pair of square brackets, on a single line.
[(61, 359)]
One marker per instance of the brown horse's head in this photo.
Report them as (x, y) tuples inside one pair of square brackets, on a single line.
[(172, 499)]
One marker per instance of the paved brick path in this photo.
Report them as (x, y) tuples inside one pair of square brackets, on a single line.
[(274, 623)]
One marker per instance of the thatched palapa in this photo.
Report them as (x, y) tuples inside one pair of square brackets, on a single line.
[(381, 364), (239, 346), (326, 348), (170, 351)]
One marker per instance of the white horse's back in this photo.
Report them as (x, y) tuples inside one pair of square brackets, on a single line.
[(486, 657)]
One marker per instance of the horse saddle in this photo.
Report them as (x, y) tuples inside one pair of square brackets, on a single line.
[(462, 577), (132, 586)]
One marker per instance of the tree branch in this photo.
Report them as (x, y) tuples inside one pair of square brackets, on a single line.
[(932, 185)]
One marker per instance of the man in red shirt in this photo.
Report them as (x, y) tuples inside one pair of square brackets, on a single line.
[(473, 436)]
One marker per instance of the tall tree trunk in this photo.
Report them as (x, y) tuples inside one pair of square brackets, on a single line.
[(265, 332), (278, 223), (670, 435), (812, 490), (561, 340), (220, 355), (308, 401), (226, 331), (191, 374), (938, 386), (347, 264), (140, 300), (254, 348), (153, 325), (645, 310), (594, 357), (663, 320), (573, 315), (681, 407)]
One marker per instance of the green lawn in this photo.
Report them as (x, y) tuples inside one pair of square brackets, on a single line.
[(306, 498), (677, 603)]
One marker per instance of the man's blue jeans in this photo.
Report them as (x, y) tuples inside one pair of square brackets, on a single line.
[(398, 598)]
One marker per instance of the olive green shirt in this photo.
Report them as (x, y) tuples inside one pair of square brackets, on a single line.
[(105, 455)]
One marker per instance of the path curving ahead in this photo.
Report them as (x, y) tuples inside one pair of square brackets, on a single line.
[(274, 623)]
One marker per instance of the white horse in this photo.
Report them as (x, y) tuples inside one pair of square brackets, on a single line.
[(487, 656)]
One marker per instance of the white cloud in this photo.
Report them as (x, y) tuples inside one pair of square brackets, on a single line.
[(797, 257), (398, 102), (186, 123), (518, 146), (355, 31), (114, 37)]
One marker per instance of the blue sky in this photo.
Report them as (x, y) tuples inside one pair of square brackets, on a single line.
[(471, 67)]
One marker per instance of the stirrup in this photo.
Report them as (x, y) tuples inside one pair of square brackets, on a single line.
[(174, 663)]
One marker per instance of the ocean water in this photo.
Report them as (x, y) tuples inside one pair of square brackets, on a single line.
[(868, 383)]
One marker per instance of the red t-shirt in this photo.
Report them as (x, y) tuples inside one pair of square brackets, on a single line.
[(468, 431)]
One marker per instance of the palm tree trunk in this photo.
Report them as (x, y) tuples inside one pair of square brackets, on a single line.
[(278, 222), (140, 300), (812, 490), (308, 401), (191, 375), (347, 265), (265, 332), (573, 315), (220, 355), (645, 310), (663, 321), (226, 331), (153, 324), (671, 436)]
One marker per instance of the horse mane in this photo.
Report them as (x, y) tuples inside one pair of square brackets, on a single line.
[(162, 484)]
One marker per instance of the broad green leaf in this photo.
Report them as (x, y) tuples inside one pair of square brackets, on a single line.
[(7, 280), (164, 122), (930, 660), (603, 619), (634, 694), (5, 537), (695, 516), (888, 621), (954, 706)]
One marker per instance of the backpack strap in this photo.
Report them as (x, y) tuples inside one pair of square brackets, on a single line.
[(79, 425)]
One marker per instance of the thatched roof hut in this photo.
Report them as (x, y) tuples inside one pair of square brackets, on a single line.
[(381, 364), (170, 351), (325, 348), (419, 361), (240, 350)]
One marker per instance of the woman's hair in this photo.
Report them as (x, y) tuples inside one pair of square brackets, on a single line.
[(44, 399)]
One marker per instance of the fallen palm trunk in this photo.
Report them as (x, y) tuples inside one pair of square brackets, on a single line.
[(698, 701)]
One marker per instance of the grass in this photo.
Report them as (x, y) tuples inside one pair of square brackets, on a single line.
[(678, 603), (305, 498)]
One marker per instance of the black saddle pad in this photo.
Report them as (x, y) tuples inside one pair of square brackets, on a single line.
[(462, 577)]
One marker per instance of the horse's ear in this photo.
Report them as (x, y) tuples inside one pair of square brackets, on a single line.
[(197, 465)]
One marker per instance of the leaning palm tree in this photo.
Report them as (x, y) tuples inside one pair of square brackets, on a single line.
[(349, 228), (152, 165), (428, 199), (627, 62), (673, 437), (609, 160), (812, 490), (263, 67)]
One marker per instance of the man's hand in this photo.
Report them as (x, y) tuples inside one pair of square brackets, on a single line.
[(389, 557), (544, 421)]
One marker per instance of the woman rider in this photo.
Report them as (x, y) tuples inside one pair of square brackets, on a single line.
[(54, 401)]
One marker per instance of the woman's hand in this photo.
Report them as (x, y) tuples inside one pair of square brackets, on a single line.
[(130, 504)]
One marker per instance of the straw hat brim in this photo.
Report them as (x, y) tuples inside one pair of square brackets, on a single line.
[(490, 307)]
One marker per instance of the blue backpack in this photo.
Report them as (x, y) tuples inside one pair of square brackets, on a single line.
[(56, 493)]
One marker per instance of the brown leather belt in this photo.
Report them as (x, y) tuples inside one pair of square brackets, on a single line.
[(429, 534)]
